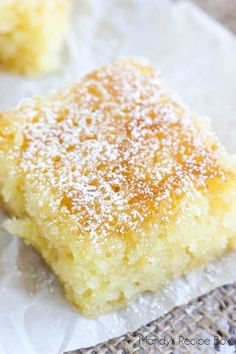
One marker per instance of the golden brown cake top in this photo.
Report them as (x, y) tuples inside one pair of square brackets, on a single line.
[(111, 152)]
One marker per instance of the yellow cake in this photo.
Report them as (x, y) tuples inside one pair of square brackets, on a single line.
[(117, 185), (32, 34)]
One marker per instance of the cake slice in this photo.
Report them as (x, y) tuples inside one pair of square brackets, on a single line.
[(32, 34), (117, 185)]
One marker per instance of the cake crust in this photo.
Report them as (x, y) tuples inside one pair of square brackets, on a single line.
[(108, 169), (112, 149)]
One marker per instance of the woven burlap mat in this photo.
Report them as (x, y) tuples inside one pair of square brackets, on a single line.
[(208, 323), (222, 10), (205, 325)]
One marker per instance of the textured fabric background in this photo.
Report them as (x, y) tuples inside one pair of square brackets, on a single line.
[(223, 10), (205, 325)]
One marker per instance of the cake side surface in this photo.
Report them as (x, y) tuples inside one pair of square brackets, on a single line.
[(32, 34), (117, 185)]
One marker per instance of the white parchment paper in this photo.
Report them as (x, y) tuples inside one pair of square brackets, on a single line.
[(198, 58)]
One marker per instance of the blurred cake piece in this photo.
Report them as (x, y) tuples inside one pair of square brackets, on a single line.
[(32, 34), (117, 185)]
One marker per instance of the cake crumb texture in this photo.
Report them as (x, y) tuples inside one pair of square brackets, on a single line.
[(32, 34), (117, 185)]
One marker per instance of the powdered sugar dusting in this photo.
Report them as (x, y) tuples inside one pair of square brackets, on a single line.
[(114, 151)]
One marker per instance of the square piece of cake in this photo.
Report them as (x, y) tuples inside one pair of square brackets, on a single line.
[(117, 185), (32, 34)]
